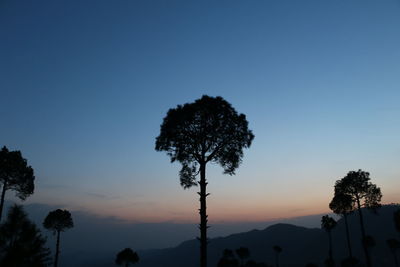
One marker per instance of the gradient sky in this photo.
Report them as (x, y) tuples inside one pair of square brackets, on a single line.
[(85, 86)]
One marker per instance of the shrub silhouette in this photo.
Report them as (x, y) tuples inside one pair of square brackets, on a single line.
[(58, 221), (208, 130), (126, 257), (16, 175), (21, 243)]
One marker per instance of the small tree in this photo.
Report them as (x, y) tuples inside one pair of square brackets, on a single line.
[(243, 254), (58, 221), (394, 245), (364, 194), (21, 243), (343, 205), (328, 223), (16, 175), (126, 257), (278, 251), (206, 131)]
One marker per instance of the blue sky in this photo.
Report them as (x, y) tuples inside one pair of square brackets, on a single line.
[(85, 86)]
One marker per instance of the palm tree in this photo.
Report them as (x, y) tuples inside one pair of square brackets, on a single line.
[(364, 194), (126, 257), (343, 205), (58, 221), (278, 250), (206, 131), (328, 223), (394, 245)]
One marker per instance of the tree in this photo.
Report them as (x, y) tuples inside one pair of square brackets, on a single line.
[(396, 219), (343, 205), (58, 221), (21, 243), (16, 175), (126, 257), (394, 245), (364, 194), (328, 223), (207, 130), (243, 254), (228, 259), (278, 250)]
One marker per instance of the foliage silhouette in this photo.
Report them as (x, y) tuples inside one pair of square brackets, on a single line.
[(243, 254), (126, 257), (394, 245), (343, 205), (364, 194), (16, 175), (207, 130), (58, 221), (228, 259), (328, 223), (278, 250), (396, 219), (21, 243)]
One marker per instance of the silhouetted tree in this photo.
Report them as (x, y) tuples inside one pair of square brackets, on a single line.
[(364, 194), (243, 254), (228, 259), (396, 219), (278, 250), (58, 221), (394, 245), (208, 130), (15, 174), (126, 257), (343, 205), (328, 223), (21, 243)]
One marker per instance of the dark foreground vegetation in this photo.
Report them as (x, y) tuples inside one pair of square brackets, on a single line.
[(210, 130)]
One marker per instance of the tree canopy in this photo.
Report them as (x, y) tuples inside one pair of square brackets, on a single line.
[(126, 257), (15, 174), (58, 220), (208, 130)]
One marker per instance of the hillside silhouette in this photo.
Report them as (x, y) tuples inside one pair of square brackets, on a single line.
[(300, 245)]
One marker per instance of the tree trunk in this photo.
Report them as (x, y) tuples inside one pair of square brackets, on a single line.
[(367, 256), (330, 246), (348, 235), (3, 194), (396, 262), (277, 259), (57, 249), (203, 216)]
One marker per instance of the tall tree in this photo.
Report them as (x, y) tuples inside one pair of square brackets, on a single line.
[(15, 174), (21, 243), (343, 205), (364, 194), (58, 221), (278, 251), (394, 245), (126, 257), (207, 130), (328, 223)]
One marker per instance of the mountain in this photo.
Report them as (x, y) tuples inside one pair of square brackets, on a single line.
[(300, 245)]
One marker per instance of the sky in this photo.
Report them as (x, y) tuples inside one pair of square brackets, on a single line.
[(85, 86)]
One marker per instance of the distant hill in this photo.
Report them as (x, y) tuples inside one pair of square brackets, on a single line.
[(300, 245)]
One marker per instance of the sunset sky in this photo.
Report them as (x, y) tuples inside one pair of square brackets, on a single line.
[(85, 85)]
